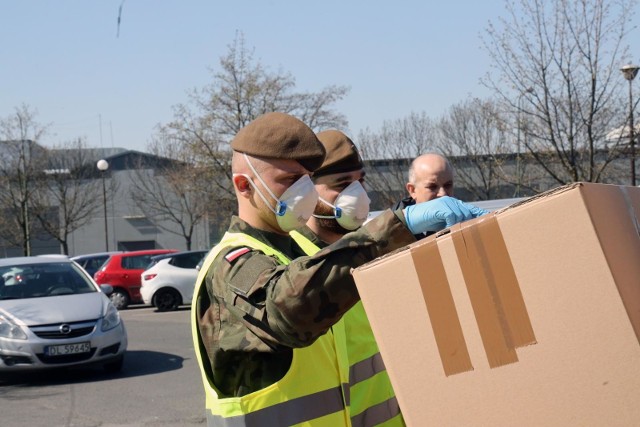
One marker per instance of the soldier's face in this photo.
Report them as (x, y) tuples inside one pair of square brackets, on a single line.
[(277, 175), (280, 174), (328, 188)]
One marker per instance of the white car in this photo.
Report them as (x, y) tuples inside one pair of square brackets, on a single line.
[(169, 280), (52, 314)]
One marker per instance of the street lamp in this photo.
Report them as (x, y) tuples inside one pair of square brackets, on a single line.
[(518, 160), (103, 165), (629, 72)]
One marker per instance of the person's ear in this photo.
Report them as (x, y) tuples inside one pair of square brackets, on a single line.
[(411, 189), (242, 185)]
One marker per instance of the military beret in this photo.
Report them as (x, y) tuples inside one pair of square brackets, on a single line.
[(280, 136), (342, 154)]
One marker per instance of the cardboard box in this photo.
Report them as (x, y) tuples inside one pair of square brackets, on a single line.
[(528, 316)]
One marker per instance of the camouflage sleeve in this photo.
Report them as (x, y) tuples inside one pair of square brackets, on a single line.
[(291, 306)]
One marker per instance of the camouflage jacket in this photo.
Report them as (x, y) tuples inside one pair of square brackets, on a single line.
[(312, 237), (257, 310), (408, 201)]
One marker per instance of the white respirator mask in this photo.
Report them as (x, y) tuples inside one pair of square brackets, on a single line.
[(295, 206), (351, 207)]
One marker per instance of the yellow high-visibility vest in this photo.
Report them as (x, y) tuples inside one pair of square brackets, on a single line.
[(373, 401), (314, 391)]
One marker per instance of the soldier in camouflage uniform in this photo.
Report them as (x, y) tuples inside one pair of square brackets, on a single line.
[(343, 206), (337, 175), (253, 311)]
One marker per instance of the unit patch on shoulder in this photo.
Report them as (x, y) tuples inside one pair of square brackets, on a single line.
[(235, 254)]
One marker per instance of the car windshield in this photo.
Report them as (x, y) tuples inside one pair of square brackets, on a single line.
[(43, 280)]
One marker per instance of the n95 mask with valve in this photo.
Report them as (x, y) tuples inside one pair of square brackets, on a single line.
[(351, 207), (295, 206)]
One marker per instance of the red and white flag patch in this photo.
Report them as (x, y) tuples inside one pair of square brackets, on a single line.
[(233, 255)]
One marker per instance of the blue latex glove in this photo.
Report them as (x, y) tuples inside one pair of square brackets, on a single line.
[(438, 214)]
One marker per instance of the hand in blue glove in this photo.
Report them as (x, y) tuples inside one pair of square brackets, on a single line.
[(438, 214)]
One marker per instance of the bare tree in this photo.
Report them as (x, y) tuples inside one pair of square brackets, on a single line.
[(556, 69), (192, 139), (241, 90), (389, 153), (176, 192), (21, 173), (69, 195), (474, 138)]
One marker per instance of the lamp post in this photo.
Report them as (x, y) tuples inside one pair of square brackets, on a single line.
[(629, 72), (518, 161), (103, 165)]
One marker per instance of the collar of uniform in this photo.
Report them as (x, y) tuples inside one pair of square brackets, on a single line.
[(284, 244), (407, 201), (309, 234)]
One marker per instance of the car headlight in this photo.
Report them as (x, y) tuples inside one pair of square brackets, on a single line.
[(9, 329), (111, 318)]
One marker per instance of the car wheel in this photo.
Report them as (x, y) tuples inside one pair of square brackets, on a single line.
[(115, 366), (119, 298), (166, 299)]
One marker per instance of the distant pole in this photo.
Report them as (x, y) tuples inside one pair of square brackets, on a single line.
[(103, 165), (100, 128), (518, 155), (629, 72)]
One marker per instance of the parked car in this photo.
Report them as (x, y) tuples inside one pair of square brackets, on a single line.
[(122, 271), (170, 279), (92, 262), (11, 275), (56, 316)]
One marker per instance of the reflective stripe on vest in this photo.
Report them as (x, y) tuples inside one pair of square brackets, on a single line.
[(365, 369), (311, 392), (287, 413), (373, 400)]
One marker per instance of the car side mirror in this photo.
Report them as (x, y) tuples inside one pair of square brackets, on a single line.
[(106, 289)]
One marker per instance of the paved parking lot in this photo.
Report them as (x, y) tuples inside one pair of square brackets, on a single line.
[(159, 385)]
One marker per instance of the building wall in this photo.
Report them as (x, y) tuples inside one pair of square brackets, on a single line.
[(127, 227)]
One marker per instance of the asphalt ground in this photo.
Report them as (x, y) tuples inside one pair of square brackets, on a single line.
[(159, 384)]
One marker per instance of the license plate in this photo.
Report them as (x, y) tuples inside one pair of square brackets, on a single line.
[(64, 349)]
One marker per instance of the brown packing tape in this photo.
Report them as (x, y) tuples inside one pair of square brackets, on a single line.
[(496, 298), (498, 268), (441, 307), (491, 326)]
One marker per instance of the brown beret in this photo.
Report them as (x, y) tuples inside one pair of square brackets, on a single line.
[(342, 154), (280, 136)]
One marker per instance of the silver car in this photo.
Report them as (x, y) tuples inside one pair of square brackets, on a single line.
[(52, 314)]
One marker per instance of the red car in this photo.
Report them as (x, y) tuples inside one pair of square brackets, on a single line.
[(122, 271)]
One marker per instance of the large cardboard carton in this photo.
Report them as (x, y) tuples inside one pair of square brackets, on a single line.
[(529, 316)]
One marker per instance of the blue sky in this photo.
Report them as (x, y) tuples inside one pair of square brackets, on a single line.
[(64, 59)]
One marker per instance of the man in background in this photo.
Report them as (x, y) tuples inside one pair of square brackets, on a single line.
[(430, 177)]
